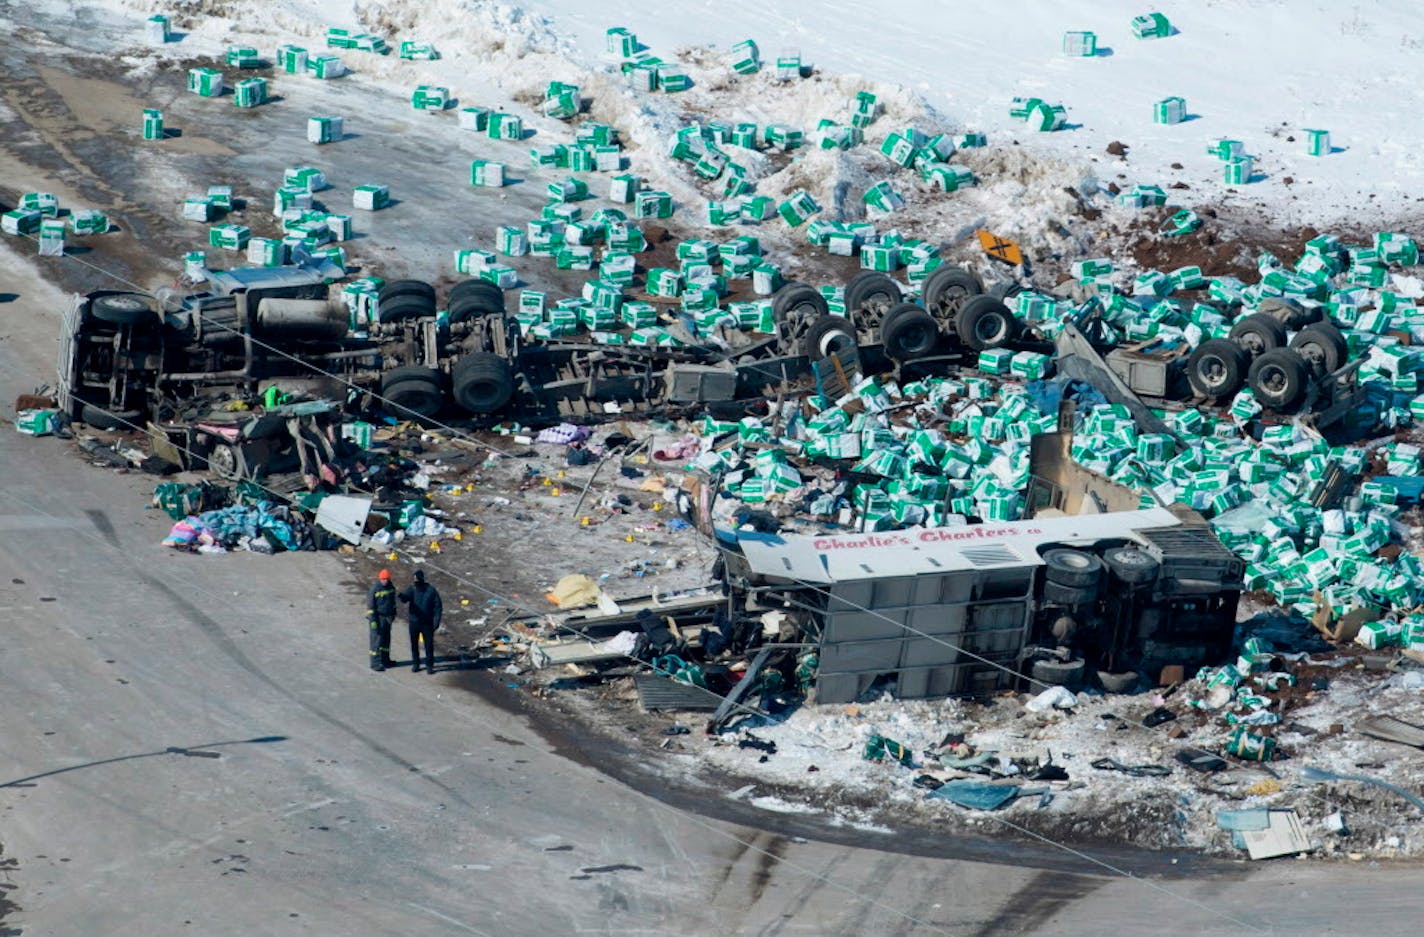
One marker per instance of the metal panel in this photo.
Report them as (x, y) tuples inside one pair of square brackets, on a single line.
[(863, 626), (860, 656), (892, 593), (851, 595), (929, 652), (938, 619)]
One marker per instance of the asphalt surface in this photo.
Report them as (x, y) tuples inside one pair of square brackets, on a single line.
[(193, 744)]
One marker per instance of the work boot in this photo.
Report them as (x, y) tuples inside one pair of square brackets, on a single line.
[(378, 669), (415, 668)]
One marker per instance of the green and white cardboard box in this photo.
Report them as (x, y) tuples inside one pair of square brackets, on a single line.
[(620, 41), (324, 129), (473, 118), (221, 197), (1080, 44), (883, 197), (900, 150), (51, 238), (567, 190), (20, 221), (156, 29), (249, 92), (672, 78), (1045, 117), (532, 301), (370, 197), (1171, 110), (1225, 149), (1151, 26), (766, 278), (198, 208), (471, 262), (1317, 142), (232, 237), (305, 177), (652, 204), (504, 126), (1239, 170), (243, 57), (325, 66), (642, 77), (430, 98), (743, 58), (152, 124), (289, 198), (413, 51), (207, 82), (266, 252), (788, 66), (486, 173), (43, 202), (292, 59), (88, 221), (624, 188), (797, 208), (511, 241), (501, 275), (195, 266)]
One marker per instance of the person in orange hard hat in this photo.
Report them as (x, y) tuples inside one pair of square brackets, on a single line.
[(380, 613)]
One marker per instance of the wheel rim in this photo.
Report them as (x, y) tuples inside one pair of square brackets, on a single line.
[(991, 329), (223, 461), (918, 339), (1313, 354), (1134, 558), (1273, 379), (125, 303), (834, 342), (950, 299), (1252, 342), (873, 308), (1212, 371), (1075, 560)]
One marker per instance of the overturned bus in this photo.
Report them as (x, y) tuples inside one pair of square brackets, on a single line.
[(1104, 599)]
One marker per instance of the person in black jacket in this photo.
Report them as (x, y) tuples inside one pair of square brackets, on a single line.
[(425, 612), (380, 613)]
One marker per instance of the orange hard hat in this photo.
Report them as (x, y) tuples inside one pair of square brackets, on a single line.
[(384, 574)]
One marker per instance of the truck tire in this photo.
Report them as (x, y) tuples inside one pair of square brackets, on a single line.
[(1287, 312), (1218, 368), (798, 299), (1124, 682), (1322, 346), (118, 420), (827, 335), (908, 332), (984, 322), (1055, 593), (405, 307), (122, 308), (1072, 567), (1131, 565), (1278, 378), (947, 288), (396, 288), (1059, 672), (412, 392), (482, 382), (471, 299), (1258, 333), (1006, 290), (869, 297)]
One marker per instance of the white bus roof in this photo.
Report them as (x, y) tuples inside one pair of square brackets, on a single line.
[(921, 551)]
